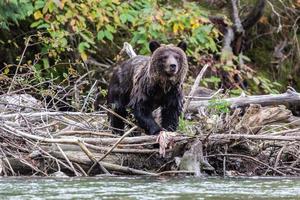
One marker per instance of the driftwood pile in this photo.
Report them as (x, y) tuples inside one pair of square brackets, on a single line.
[(248, 140)]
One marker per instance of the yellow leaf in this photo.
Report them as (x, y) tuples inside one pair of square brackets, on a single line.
[(175, 28), (194, 23), (105, 19), (181, 26), (63, 4), (215, 32), (37, 15), (116, 1), (264, 20), (117, 18), (73, 22), (72, 71), (6, 71), (83, 56)]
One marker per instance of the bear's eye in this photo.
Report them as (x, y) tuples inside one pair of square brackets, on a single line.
[(164, 57), (177, 57)]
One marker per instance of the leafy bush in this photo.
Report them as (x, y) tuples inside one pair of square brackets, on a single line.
[(14, 10), (65, 33), (218, 106), (89, 27)]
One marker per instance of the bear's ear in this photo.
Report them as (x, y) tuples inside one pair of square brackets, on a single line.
[(182, 45), (153, 45)]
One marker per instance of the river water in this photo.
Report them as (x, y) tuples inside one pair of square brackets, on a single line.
[(149, 188)]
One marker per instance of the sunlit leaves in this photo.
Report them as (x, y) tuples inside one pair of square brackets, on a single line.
[(95, 21), (39, 4), (108, 35), (82, 50), (87, 37), (14, 10), (100, 35), (82, 26), (37, 15)]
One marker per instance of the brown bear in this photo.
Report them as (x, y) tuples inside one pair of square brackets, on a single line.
[(144, 83)]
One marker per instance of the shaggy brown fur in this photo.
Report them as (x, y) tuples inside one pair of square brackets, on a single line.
[(145, 83)]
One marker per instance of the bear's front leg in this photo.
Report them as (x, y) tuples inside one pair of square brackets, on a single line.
[(145, 119), (171, 110)]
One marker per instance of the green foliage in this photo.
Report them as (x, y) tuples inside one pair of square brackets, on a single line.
[(184, 126), (103, 92), (266, 85), (218, 106), (96, 22), (12, 11), (213, 80), (69, 31), (64, 33)]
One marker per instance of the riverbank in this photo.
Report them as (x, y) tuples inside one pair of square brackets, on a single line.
[(241, 141)]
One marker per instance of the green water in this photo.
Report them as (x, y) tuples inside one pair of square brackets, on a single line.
[(148, 188)]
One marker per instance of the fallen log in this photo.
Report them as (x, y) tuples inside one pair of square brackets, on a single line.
[(22, 168), (252, 137), (48, 114), (290, 97)]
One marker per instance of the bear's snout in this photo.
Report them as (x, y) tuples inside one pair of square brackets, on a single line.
[(173, 67)]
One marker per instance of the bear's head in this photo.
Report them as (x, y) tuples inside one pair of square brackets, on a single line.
[(168, 61)]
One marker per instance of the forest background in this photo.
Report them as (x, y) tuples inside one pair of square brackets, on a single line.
[(63, 51)]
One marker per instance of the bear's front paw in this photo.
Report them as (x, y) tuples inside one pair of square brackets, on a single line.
[(166, 140)]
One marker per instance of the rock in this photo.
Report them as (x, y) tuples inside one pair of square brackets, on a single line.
[(193, 160), (19, 102), (59, 174)]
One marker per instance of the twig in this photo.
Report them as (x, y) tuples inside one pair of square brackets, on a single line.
[(57, 160), (19, 64), (68, 161), (204, 98), (115, 167), (92, 158), (63, 153), (125, 151), (224, 161), (114, 113), (88, 95), (41, 114), (80, 168), (248, 157), (7, 161), (279, 155), (113, 147), (71, 132), (195, 86), (118, 142), (278, 15)]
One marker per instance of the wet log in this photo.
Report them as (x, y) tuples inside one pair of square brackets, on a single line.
[(45, 114), (21, 168), (111, 163), (288, 98)]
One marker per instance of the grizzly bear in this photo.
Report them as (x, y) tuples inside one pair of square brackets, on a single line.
[(144, 83)]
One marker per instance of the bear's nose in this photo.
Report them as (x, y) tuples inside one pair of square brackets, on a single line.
[(173, 66)]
